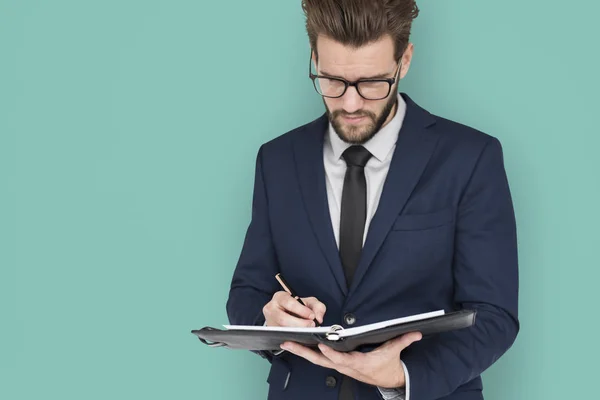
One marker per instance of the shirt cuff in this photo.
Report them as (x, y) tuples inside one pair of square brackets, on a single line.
[(407, 382), (397, 393)]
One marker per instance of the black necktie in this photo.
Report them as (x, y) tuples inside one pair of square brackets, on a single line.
[(352, 225), (354, 209)]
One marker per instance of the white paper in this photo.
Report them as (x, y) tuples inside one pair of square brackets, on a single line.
[(343, 333), (383, 324), (322, 329)]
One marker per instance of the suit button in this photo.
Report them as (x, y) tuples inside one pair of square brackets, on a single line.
[(349, 319), (330, 381)]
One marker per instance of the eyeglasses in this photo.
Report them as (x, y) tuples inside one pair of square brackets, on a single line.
[(369, 89)]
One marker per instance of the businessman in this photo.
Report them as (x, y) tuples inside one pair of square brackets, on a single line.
[(376, 210)]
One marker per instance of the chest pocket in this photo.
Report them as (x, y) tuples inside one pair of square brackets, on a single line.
[(420, 245), (412, 222)]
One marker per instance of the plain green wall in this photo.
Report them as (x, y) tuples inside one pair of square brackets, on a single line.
[(128, 134)]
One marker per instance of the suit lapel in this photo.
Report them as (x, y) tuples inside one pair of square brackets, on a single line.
[(414, 147), (308, 154)]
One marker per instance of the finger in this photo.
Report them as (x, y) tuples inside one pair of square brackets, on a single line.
[(410, 338), (282, 318), (308, 354), (351, 360), (315, 305), (402, 342), (356, 364), (291, 305), (349, 364)]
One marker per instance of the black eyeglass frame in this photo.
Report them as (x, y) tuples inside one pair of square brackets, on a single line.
[(389, 81)]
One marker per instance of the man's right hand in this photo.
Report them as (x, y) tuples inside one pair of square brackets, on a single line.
[(284, 310)]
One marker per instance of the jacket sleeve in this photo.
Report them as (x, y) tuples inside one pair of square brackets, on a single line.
[(253, 283), (485, 270)]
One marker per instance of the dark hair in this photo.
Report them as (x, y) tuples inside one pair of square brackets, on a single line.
[(359, 22)]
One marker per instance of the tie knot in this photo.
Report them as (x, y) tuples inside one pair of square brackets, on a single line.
[(356, 156)]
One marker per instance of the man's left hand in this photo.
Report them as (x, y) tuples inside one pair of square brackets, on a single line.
[(381, 367)]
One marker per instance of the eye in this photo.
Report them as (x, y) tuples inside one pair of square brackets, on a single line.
[(330, 87), (374, 89)]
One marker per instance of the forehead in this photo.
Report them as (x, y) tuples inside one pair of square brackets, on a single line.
[(352, 63)]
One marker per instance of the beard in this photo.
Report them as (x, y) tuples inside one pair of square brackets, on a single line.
[(359, 135)]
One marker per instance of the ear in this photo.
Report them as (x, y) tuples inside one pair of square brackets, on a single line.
[(314, 61), (406, 59)]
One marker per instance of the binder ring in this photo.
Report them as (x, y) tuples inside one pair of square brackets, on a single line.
[(333, 334)]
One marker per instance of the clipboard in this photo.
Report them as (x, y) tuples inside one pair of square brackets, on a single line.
[(334, 336)]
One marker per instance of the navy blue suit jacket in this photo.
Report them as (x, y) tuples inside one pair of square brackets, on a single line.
[(443, 237)]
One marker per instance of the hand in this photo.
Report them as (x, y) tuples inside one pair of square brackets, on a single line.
[(284, 310), (381, 367)]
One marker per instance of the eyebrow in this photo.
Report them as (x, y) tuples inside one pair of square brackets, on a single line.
[(378, 76)]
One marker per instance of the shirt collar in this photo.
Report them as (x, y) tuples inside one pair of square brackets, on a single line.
[(381, 143)]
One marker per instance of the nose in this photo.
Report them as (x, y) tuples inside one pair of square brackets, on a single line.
[(352, 101)]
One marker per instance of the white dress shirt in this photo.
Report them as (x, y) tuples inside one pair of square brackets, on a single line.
[(381, 146)]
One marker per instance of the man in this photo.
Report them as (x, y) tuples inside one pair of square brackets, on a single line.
[(377, 210)]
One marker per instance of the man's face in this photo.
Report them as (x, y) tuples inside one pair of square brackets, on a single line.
[(355, 119)]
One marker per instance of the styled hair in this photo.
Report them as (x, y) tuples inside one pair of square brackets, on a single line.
[(356, 23)]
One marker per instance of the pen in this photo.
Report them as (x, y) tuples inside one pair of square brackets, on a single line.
[(288, 289)]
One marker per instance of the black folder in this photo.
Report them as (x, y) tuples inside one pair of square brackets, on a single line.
[(334, 337)]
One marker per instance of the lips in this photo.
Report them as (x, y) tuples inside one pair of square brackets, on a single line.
[(353, 119)]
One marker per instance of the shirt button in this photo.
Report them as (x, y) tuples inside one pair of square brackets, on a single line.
[(330, 381), (349, 319)]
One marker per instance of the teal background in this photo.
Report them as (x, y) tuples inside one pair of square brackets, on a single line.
[(128, 134)]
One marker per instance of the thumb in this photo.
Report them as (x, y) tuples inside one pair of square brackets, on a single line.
[(404, 341)]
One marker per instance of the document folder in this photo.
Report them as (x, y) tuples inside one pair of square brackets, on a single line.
[(335, 336)]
